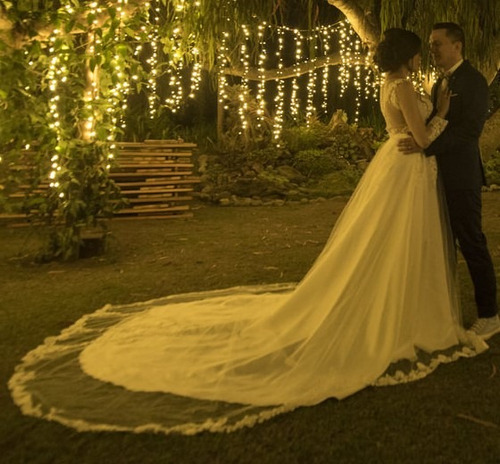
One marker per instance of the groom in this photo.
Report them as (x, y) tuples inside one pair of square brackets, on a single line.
[(460, 166)]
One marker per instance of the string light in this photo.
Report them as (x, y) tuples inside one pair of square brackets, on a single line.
[(344, 70), (326, 69), (153, 59), (195, 74), (57, 70), (243, 96), (353, 66), (280, 96), (261, 87), (311, 90), (294, 102), (223, 63)]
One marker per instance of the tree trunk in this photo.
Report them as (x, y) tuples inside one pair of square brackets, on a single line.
[(363, 21), (220, 111)]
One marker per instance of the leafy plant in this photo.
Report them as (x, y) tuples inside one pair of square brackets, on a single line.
[(492, 169), (313, 163), (62, 96)]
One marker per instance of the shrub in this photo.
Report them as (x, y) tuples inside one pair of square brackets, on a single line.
[(313, 163), (492, 169)]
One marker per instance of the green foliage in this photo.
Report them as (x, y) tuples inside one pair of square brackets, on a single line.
[(318, 149), (492, 169), (268, 156), (304, 137), (46, 107), (311, 159), (313, 162), (236, 143), (257, 132), (339, 182)]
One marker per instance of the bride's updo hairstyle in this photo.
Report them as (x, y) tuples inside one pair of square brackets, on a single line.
[(397, 48)]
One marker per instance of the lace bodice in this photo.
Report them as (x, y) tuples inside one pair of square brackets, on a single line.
[(397, 123)]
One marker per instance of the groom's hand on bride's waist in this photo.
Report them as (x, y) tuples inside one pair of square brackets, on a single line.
[(408, 145)]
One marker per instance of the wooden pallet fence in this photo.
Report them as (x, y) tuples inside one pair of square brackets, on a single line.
[(156, 177)]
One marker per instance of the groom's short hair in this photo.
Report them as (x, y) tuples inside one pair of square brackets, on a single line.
[(454, 32)]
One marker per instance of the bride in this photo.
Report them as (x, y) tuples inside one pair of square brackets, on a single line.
[(378, 307)]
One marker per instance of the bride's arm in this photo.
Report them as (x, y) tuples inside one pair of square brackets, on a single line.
[(423, 134)]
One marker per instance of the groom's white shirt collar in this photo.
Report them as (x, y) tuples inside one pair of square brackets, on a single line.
[(450, 71)]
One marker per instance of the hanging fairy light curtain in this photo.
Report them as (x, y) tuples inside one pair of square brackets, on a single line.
[(294, 100), (57, 75), (245, 90), (261, 87), (355, 67), (102, 105), (280, 96), (354, 70), (223, 64), (278, 48)]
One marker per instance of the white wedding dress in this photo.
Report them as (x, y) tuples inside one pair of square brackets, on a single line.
[(377, 307)]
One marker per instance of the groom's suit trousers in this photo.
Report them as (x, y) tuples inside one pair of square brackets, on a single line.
[(464, 208)]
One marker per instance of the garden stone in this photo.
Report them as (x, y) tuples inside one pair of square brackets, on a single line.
[(294, 195), (290, 173), (202, 163), (257, 167)]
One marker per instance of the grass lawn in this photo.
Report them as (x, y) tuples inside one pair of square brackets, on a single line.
[(453, 416)]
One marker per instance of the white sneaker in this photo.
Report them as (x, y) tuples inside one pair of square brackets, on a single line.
[(486, 327)]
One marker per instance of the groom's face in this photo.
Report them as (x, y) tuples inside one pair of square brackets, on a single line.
[(444, 50)]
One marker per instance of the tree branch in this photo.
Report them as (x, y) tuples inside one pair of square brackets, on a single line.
[(254, 74), (364, 21)]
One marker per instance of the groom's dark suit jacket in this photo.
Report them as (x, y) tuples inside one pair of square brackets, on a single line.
[(457, 148)]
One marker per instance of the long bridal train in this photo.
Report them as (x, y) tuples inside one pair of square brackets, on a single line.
[(381, 291)]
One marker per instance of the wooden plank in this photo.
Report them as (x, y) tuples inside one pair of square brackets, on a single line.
[(128, 165), (159, 199), (150, 174), (12, 216), (164, 216), (156, 182), (149, 144), (179, 144), (145, 153), (25, 194), (152, 210), (153, 190)]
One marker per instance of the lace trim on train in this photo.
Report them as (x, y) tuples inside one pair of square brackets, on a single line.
[(65, 348)]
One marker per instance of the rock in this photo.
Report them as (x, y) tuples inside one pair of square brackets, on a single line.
[(257, 167), (291, 174), (255, 187), (202, 163), (224, 202), (362, 164)]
